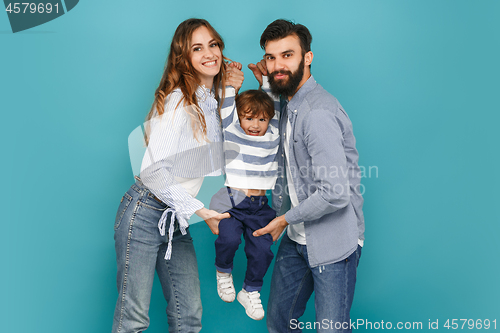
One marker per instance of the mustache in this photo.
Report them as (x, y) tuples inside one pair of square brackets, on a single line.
[(282, 71)]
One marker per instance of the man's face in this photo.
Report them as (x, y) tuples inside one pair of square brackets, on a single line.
[(285, 65)]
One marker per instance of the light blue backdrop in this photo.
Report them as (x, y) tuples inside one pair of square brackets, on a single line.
[(419, 80)]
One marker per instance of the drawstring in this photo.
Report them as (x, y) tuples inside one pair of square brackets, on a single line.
[(183, 225)]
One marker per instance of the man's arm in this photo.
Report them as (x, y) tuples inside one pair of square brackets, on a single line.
[(274, 228), (323, 135), (258, 70), (325, 144)]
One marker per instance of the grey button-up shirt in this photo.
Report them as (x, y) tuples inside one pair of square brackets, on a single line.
[(325, 173)]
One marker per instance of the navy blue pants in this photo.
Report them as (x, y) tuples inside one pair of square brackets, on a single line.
[(247, 215)]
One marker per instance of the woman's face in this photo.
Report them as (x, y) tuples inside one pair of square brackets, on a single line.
[(206, 56)]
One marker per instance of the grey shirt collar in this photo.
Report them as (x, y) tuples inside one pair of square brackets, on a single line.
[(299, 96)]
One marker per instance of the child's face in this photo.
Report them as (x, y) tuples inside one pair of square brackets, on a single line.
[(254, 125)]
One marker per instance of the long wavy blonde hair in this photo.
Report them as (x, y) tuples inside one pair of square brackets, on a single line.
[(180, 73)]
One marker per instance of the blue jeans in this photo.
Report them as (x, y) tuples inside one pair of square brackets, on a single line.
[(293, 282), (140, 250), (247, 215)]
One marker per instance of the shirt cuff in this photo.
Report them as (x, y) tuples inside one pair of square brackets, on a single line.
[(292, 216), (188, 209)]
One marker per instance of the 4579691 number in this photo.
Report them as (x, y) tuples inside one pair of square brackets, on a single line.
[(24, 7), (470, 324)]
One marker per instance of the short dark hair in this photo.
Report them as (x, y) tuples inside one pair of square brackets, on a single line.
[(283, 28), (254, 102)]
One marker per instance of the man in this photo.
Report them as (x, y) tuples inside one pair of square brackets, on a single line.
[(317, 192)]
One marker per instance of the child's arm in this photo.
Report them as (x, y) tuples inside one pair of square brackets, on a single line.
[(228, 112), (234, 80), (259, 70), (267, 89), (234, 76)]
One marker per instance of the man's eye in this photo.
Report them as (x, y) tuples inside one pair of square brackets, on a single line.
[(288, 55), (269, 58)]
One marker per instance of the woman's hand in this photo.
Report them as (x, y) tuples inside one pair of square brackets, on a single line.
[(234, 75), (212, 218)]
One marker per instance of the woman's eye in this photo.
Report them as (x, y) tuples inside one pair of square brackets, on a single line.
[(214, 45), (196, 49)]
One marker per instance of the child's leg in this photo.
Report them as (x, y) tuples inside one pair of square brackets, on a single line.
[(257, 249), (259, 257), (227, 243)]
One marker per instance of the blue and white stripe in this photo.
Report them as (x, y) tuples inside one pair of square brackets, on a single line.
[(250, 160)]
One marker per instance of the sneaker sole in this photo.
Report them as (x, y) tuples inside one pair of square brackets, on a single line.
[(227, 301), (247, 311)]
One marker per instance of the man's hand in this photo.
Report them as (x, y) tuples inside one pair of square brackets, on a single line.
[(274, 228), (258, 70), (212, 218), (234, 75)]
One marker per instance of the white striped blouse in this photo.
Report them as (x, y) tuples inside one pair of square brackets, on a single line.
[(175, 162)]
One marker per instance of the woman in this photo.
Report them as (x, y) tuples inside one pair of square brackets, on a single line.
[(184, 145)]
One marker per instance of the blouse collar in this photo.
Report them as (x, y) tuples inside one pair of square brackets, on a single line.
[(202, 93)]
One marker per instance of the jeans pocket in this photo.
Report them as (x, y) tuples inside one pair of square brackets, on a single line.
[(124, 203), (151, 202), (358, 254)]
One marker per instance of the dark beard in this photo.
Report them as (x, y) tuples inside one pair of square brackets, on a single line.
[(287, 87)]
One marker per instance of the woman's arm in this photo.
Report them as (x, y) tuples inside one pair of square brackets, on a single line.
[(164, 145), (212, 218)]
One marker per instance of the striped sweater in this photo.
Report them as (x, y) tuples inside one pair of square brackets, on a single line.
[(250, 160)]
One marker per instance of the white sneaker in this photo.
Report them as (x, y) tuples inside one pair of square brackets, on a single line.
[(225, 287), (252, 304)]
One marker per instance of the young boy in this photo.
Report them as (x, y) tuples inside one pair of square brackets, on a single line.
[(251, 139)]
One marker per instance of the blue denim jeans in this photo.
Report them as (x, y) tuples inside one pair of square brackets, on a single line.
[(140, 250), (247, 215), (293, 282)]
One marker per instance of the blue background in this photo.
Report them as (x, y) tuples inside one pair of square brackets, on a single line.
[(419, 80)]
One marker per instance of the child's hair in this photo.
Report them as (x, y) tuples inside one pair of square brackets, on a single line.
[(255, 102)]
